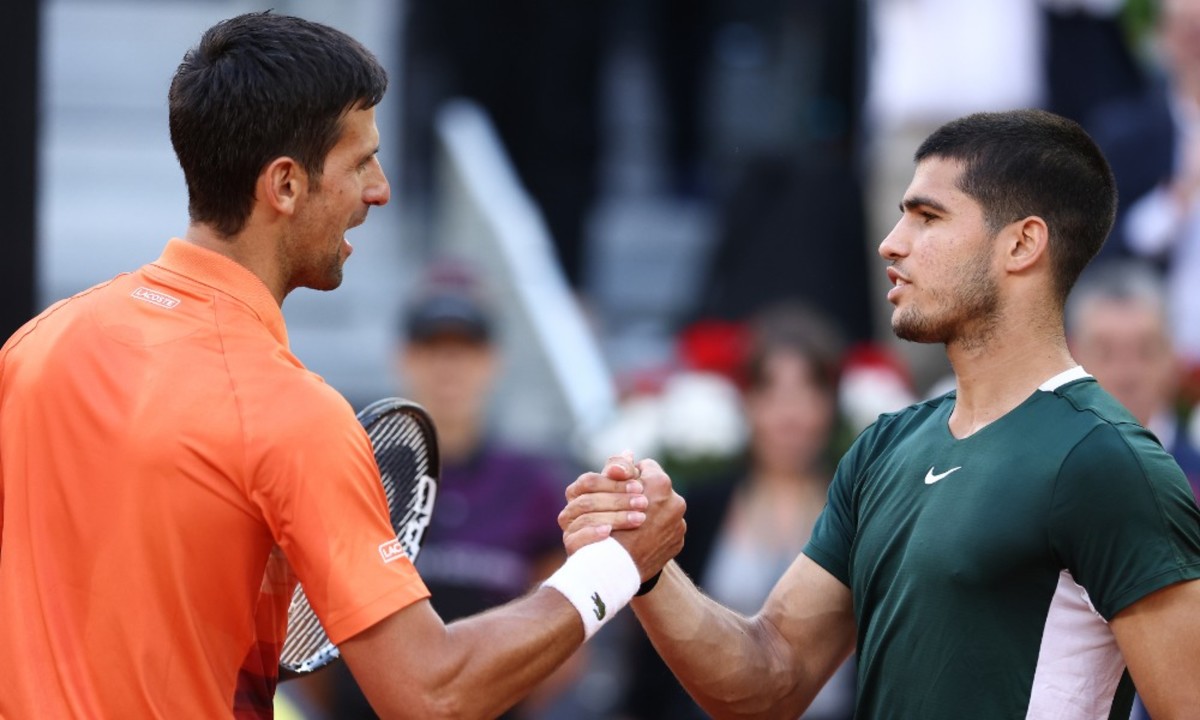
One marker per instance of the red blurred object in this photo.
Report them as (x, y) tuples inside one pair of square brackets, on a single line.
[(717, 346), (1189, 390), (873, 355)]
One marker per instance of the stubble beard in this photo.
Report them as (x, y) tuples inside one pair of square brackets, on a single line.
[(322, 273), (328, 275), (968, 317)]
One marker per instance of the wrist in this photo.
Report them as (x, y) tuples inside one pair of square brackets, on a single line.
[(648, 585), (598, 580)]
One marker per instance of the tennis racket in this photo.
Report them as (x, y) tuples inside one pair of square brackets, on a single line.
[(405, 445)]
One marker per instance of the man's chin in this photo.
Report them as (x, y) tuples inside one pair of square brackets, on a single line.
[(332, 281), (914, 332)]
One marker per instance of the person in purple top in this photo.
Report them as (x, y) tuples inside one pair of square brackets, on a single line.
[(494, 531)]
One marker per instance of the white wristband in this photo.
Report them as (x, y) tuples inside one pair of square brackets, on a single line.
[(599, 580)]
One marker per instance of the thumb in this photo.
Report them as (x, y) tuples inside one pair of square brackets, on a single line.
[(621, 467)]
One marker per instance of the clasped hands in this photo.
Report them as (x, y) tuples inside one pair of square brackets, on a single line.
[(632, 502)]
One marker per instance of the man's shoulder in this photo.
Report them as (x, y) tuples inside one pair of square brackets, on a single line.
[(909, 418), (61, 312), (1086, 405), (1097, 433)]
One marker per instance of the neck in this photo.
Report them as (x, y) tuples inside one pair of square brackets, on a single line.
[(456, 441), (997, 375), (246, 249)]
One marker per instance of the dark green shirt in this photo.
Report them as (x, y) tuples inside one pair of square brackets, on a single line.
[(984, 570)]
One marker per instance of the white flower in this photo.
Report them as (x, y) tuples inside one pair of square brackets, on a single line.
[(701, 417), (696, 416)]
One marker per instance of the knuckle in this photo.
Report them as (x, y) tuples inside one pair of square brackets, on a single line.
[(578, 487)]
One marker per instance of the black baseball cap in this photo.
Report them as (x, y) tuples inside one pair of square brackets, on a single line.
[(448, 301)]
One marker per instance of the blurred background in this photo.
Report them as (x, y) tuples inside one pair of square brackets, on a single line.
[(636, 186)]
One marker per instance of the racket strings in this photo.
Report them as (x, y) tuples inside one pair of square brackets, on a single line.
[(405, 453), (406, 471)]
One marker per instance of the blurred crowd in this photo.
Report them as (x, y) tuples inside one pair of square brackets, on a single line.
[(794, 121)]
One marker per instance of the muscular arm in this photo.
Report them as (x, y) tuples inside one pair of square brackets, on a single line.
[(412, 665), (1159, 636), (769, 665)]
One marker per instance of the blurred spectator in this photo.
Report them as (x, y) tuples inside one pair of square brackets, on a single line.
[(1153, 144), (1117, 329), (746, 528), (495, 527)]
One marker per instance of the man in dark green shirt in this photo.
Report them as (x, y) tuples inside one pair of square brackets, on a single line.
[(1006, 550)]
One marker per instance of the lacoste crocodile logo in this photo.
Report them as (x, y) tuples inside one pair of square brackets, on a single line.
[(599, 610)]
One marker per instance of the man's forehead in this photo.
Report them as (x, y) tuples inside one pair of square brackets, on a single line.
[(1121, 314), (936, 180), (358, 127)]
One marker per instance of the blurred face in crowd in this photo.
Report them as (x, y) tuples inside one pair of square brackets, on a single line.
[(451, 374), (1179, 31), (790, 414), (1124, 344), (943, 286)]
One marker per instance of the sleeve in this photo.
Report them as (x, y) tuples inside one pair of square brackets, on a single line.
[(318, 486), (1123, 520), (833, 535)]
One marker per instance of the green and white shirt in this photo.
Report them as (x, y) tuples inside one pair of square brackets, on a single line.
[(984, 570)]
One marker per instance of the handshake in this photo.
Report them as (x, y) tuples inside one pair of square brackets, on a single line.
[(633, 503), (620, 527)]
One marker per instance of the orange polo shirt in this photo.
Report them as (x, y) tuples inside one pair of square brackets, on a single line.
[(167, 470)]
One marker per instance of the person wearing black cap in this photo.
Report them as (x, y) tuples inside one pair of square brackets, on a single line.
[(494, 533)]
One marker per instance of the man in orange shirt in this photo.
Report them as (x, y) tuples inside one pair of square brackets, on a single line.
[(169, 470)]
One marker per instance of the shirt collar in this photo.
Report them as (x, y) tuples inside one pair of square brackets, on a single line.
[(226, 276), (1064, 377)]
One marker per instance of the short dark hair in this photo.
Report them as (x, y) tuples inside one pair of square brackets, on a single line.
[(795, 327), (257, 87), (1030, 162)]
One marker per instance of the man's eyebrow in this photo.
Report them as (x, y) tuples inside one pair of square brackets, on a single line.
[(917, 201)]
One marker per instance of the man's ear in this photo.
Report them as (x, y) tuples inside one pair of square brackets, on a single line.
[(1028, 240), (280, 184)]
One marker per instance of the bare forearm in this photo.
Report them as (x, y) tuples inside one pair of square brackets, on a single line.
[(733, 666), (508, 651), (411, 665)]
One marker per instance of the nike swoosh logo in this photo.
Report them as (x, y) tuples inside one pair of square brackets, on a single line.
[(930, 478)]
